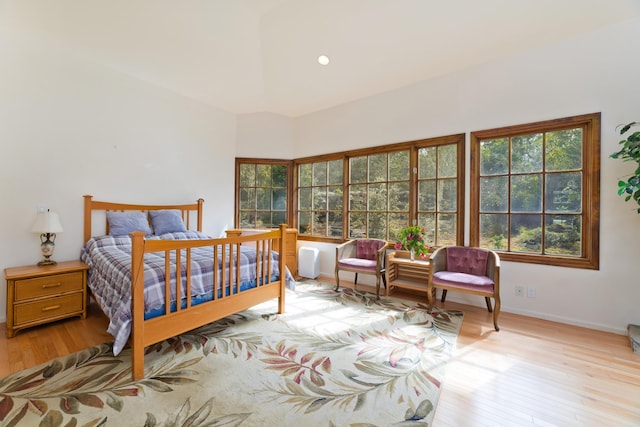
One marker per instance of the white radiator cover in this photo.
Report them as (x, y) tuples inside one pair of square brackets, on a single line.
[(308, 262)]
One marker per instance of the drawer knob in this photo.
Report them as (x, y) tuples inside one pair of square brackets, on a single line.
[(51, 285), (51, 307)]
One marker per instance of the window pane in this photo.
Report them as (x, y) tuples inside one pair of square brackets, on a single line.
[(377, 197), (427, 162), (526, 193), (377, 168), (494, 156), (446, 230), (304, 223), (494, 231), (563, 235), (335, 224), (319, 198), (357, 224), (263, 219), (526, 153), (280, 199), (428, 222), (247, 175), (263, 199), (320, 223), (427, 196), (335, 172), (448, 161), (399, 166), (304, 199), (564, 192), (526, 233), (247, 198), (247, 219), (564, 150), (447, 195), (320, 173), (278, 218), (399, 196), (263, 175), (304, 175), (358, 169), (334, 198), (279, 175), (493, 194), (357, 198), (397, 221), (377, 225)]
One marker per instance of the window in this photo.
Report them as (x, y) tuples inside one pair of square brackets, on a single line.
[(379, 191), (262, 193), (535, 191), (320, 198)]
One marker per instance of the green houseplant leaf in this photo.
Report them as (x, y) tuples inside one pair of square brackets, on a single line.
[(630, 151)]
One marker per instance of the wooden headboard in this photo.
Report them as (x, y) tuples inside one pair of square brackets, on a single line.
[(91, 205)]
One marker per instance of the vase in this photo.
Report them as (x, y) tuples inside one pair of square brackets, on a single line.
[(413, 255)]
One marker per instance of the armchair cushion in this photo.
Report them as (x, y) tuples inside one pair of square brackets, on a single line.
[(462, 280), (467, 260), (368, 249), (359, 263)]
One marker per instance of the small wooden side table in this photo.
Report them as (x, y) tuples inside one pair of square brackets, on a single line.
[(37, 295), (402, 272)]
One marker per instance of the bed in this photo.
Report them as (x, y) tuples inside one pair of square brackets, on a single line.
[(136, 253)]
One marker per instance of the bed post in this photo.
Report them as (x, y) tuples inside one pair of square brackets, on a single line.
[(137, 305), (282, 267), (87, 217), (200, 202)]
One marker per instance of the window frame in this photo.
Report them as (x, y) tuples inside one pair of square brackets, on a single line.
[(270, 162), (590, 258)]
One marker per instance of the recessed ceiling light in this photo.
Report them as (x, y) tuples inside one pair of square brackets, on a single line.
[(323, 59)]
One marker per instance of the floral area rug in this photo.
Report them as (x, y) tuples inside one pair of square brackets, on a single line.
[(333, 359)]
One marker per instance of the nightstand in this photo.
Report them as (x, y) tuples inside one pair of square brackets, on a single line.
[(37, 295)]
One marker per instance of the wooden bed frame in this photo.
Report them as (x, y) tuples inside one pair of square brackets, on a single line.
[(170, 324)]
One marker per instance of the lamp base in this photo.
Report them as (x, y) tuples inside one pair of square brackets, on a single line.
[(46, 262)]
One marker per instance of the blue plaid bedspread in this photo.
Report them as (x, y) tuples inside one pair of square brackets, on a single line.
[(109, 279)]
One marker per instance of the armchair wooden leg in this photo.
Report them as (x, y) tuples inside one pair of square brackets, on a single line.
[(337, 280), (496, 312), (444, 295), (488, 301), (355, 281)]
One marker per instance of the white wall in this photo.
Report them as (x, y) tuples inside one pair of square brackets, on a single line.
[(597, 72), (69, 127)]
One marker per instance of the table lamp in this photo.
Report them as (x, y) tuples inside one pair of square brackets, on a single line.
[(47, 224)]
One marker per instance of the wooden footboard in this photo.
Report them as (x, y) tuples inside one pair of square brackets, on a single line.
[(222, 304)]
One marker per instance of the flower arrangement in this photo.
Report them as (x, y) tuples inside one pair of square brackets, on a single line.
[(412, 239)]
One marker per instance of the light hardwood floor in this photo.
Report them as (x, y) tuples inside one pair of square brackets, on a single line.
[(531, 373)]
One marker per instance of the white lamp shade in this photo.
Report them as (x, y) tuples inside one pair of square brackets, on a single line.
[(47, 222)]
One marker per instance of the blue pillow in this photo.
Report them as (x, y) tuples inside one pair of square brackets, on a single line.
[(123, 223), (167, 221)]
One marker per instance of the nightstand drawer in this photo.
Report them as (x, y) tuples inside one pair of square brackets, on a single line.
[(48, 285), (48, 308)]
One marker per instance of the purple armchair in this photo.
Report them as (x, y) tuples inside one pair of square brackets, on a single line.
[(465, 269), (362, 256)]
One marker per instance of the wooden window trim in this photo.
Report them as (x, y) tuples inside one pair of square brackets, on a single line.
[(590, 258)]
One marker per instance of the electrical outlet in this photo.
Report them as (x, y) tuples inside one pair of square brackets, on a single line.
[(519, 291), (531, 292)]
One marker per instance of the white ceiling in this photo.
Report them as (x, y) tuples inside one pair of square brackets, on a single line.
[(248, 56)]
